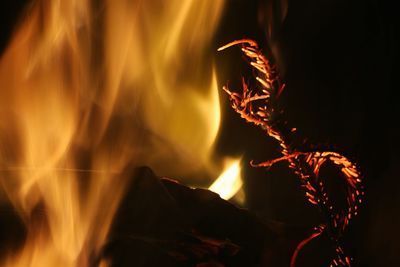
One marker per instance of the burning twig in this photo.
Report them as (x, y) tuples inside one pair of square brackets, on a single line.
[(257, 106)]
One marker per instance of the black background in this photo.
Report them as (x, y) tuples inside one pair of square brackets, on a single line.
[(337, 58)]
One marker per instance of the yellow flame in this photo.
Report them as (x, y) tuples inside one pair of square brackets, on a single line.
[(83, 83), (230, 181)]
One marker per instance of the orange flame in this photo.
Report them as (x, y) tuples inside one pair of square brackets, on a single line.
[(76, 77)]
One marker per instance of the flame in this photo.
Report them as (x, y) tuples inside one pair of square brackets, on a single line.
[(77, 79), (229, 182)]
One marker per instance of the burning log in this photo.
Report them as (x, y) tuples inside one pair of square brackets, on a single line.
[(161, 222)]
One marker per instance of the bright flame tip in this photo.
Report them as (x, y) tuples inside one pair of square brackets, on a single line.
[(230, 181)]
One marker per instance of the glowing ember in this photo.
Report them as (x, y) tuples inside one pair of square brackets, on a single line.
[(257, 106), (229, 182)]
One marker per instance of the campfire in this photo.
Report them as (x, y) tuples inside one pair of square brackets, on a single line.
[(92, 91)]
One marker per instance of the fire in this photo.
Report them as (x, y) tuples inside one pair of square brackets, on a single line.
[(230, 181), (77, 78)]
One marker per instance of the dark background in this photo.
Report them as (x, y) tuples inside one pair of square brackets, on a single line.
[(337, 58)]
